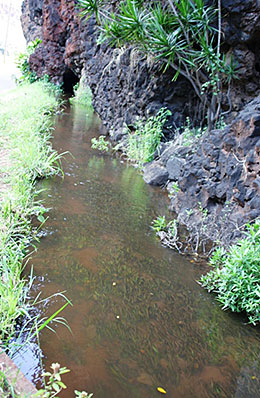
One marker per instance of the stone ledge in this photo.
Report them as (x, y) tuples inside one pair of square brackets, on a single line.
[(23, 387)]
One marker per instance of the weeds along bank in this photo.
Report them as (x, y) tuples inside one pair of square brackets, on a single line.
[(25, 132)]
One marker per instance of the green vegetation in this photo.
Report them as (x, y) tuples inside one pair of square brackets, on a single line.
[(143, 142), (182, 34), (159, 224), (167, 232), (53, 386), (25, 131), (22, 63), (236, 275), (6, 390), (188, 135), (82, 95), (101, 144)]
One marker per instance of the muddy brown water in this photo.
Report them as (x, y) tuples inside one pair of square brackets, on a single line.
[(139, 318)]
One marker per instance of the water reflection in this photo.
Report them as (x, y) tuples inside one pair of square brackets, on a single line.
[(139, 318)]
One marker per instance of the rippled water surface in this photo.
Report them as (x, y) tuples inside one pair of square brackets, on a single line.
[(139, 319)]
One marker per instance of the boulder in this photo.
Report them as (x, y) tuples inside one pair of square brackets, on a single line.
[(155, 173), (175, 167)]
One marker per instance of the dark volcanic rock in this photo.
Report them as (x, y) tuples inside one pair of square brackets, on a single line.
[(57, 24), (224, 170), (155, 174), (175, 168), (31, 19)]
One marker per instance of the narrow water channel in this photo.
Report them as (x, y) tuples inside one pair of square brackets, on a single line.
[(139, 319)]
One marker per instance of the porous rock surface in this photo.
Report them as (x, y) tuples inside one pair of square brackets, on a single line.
[(224, 166), (223, 171)]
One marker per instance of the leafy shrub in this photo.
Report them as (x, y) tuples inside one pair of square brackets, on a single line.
[(236, 275), (143, 142), (22, 63)]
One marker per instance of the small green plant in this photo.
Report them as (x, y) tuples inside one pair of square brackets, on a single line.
[(101, 144), (159, 224), (235, 278), (82, 95), (203, 211), (82, 394), (167, 232), (54, 385), (189, 212), (22, 63), (174, 189), (188, 135), (173, 228), (143, 142)]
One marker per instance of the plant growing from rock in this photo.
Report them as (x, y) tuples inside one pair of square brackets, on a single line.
[(182, 34), (159, 224), (167, 232), (144, 140)]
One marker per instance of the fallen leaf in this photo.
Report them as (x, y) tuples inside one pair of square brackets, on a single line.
[(161, 390)]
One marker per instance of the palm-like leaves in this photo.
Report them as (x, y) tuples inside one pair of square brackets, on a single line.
[(89, 7), (181, 34), (133, 21)]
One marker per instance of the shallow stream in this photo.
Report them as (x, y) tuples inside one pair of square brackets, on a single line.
[(139, 318)]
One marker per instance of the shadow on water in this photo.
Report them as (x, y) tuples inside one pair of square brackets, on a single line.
[(139, 319)]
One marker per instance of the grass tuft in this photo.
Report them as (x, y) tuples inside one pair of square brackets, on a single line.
[(143, 142)]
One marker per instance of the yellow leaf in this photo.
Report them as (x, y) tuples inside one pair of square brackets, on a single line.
[(162, 390), (253, 377)]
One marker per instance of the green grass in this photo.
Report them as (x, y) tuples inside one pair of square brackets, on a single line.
[(25, 130), (143, 142)]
